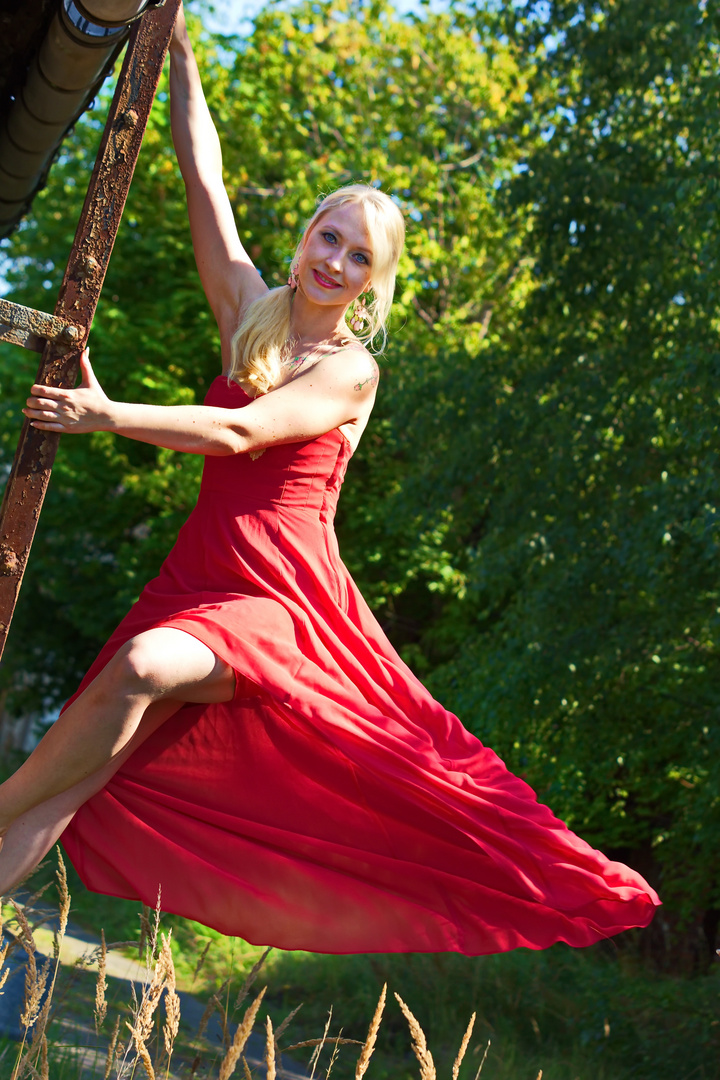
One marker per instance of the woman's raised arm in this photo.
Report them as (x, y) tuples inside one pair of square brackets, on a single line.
[(228, 276)]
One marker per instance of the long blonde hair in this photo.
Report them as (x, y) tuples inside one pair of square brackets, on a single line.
[(257, 344)]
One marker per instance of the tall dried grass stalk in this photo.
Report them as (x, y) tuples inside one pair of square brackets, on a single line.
[(207, 1013), (201, 961), (333, 1056), (281, 1031), (64, 895), (242, 1034), (284, 1025), (463, 1047), (154, 929), (21, 1064), (42, 1020), (427, 1065), (369, 1045), (250, 978), (143, 1025), (223, 1012), (26, 1068), (484, 1059), (141, 1029), (101, 986), (145, 929), (214, 1005), (319, 1044), (31, 901), (4, 946), (36, 1012), (270, 1049), (26, 935), (38, 986), (44, 1067), (144, 1055), (35, 984), (172, 1007), (172, 1021), (110, 1059), (24, 1063)]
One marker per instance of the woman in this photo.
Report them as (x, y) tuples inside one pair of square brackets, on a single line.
[(248, 740)]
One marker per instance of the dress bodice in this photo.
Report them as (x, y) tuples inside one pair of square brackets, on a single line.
[(306, 475)]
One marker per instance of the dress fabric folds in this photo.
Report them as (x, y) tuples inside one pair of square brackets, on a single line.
[(332, 805)]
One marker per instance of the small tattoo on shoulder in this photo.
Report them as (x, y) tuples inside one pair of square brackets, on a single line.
[(372, 378)]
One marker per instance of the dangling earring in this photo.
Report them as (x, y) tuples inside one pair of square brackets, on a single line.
[(359, 316), (293, 278)]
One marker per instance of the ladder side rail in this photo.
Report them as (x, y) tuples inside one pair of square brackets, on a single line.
[(81, 287)]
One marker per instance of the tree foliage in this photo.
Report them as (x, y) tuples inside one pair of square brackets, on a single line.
[(532, 511), (586, 639)]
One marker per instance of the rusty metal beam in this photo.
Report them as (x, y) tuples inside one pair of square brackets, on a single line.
[(30, 328), (80, 290)]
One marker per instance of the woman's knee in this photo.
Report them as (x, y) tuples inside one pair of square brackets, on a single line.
[(138, 668), (164, 661)]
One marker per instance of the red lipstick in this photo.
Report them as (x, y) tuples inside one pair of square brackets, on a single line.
[(327, 283)]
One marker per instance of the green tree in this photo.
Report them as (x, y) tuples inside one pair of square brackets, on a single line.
[(582, 637)]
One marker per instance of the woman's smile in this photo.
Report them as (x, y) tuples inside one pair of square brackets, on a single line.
[(326, 282)]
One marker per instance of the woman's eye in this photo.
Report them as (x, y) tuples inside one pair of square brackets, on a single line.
[(360, 257), (330, 237)]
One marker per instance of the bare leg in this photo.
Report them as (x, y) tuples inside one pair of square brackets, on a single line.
[(30, 837), (162, 665)]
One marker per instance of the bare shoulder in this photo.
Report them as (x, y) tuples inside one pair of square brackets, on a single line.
[(368, 373), (353, 368)]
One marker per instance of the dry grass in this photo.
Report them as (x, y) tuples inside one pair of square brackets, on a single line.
[(369, 1044), (427, 1065), (101, 986), (463, 1047), (150, 1040), (242, 1034)]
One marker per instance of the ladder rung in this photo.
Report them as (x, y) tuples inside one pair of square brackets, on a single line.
[(31, 329)]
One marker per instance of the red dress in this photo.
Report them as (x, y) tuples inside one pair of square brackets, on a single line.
[(332, 805)]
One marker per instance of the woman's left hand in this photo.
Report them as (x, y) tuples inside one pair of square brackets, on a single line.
[(72, 412)]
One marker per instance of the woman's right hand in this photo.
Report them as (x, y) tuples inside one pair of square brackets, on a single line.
[(86, 408)]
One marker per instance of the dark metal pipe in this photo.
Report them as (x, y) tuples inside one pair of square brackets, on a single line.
[(65, 74)]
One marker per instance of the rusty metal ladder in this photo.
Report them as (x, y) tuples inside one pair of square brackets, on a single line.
[(61, 337)]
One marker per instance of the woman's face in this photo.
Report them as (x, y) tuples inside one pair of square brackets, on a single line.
[(335, 264)]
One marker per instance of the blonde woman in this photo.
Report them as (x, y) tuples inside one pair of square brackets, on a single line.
[(248, 741)]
